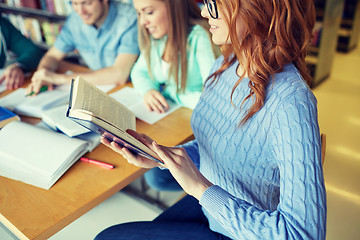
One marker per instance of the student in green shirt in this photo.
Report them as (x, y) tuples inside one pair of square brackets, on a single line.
[(176, 53), (27, 55)]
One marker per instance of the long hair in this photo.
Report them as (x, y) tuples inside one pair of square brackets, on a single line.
[(183, 15), (276, 33)]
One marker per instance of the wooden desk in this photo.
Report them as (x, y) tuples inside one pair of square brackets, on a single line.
[(34, 213)]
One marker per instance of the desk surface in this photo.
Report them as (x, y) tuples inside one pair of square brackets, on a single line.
[(34, 213)]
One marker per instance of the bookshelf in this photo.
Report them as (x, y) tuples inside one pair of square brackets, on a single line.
[(322, 48), (38, 20), (32, 12), (350, 26)]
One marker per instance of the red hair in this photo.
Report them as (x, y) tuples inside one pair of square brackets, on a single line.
[(276, 33)]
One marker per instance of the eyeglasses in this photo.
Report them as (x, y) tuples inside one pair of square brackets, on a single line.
[(212, 8)]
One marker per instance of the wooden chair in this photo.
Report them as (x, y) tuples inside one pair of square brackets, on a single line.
[(323, 147)]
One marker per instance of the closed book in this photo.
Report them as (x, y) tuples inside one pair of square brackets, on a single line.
[(7, 116)]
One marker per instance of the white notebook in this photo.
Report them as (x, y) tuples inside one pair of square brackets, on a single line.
[(34, 106), (56, 119), (135, 103), (35, 155)]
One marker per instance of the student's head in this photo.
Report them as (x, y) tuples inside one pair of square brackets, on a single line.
[(161, 17), (171, 18), (92, 12), (153, 17), (263, 35)]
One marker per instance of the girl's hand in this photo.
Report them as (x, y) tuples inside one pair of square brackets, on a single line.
[(183, 169), (155, 101), (136, 160)]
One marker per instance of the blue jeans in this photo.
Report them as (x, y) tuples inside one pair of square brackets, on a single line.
[(161, 180), (183, 221)]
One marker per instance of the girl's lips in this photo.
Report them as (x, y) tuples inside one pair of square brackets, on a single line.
[(151, 29), (213, 28)]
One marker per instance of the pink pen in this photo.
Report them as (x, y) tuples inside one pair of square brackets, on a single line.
[(101, 164)]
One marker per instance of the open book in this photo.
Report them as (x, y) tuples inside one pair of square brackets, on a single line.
[(34, 106), (35, 155), (97, 111)]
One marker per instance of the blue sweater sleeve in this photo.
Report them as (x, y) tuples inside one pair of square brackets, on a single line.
[(301, 212)]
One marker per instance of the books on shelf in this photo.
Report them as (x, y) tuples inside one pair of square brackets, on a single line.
[(99, 112), (50, 31), (315, 40), (7, 116), (39, 31), (37, 156), (59, 7), (33, 29), (36, 27)]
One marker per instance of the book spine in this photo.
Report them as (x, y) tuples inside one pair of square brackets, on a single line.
[(30, 4), (33, 28), (50, 6), (59, 7), (21, 24), (43, 5)]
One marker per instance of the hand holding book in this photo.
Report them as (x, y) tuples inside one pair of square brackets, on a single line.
[(136, 159), (100, 113)]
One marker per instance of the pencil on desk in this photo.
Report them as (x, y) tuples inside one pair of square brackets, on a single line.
[(101, 164)]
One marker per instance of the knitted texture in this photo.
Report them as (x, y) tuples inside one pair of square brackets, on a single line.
[(267, 174)]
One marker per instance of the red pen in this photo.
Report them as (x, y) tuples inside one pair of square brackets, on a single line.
[(101, 164)]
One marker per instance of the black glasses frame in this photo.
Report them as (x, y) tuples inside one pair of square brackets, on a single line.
[(212, 8)]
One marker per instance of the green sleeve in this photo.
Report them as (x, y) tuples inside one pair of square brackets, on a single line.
[(27, 53), (204, 54), (140, 77)]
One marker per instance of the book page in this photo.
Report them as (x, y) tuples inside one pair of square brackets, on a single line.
[(44, 155), (57, 120), (34, 106), (135, 103), (100, 104)]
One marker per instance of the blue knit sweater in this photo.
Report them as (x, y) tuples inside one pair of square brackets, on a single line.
[(267, 175)]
